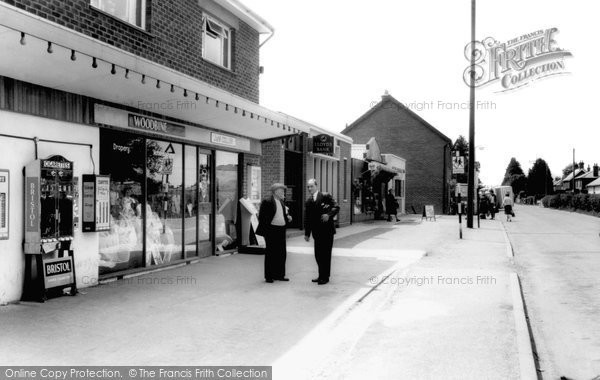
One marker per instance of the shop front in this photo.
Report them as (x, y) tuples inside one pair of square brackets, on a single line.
[(373, 176), (171, 198)]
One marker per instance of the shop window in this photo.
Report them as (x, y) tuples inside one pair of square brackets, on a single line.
[(216, 42), (122, 156), (164, 208), (190, 200), (204, 204), (227, 199), (131, 11)]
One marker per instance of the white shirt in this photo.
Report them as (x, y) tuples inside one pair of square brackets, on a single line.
[(278, 218), (315, 196)]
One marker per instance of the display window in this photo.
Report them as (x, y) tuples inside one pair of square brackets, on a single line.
[(161, 201), (122, 156)]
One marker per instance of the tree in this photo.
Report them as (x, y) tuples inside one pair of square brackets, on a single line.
[(513, 168), (515, 177), (569, 168), (539, 179)]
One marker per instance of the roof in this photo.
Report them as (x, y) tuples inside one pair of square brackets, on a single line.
[(588, 174), (570, 176), (247, 15), (595, 183), (317, 128), (388, 98)]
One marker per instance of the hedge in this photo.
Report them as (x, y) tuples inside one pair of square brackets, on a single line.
[(582, 202)]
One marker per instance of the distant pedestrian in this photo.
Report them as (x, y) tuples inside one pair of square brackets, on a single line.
[(508, 204), (484, 206), (391, 206), (493, 204), (272, 221), (320, 210)]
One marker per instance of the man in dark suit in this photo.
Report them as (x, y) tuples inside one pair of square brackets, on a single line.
[(320, 210), (272, 221)]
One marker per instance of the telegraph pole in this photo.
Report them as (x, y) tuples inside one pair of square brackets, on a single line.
[(471, 179)]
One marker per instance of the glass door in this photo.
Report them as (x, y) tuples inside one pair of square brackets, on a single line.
[(164, 207), (226, 166), (190, 210), (205, 223)]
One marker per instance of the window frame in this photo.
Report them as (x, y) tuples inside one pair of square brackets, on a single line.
[(142, 13), (224, 36)]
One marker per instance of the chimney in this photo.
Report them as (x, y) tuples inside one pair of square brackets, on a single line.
[(581, 165), (596, 170)]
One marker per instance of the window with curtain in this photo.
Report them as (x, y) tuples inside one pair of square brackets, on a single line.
[(131, 11)]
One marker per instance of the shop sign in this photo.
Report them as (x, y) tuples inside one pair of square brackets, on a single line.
[(220, 139), (58, 272), (56, 162), (31, 204), (323, 144), (155, 125)]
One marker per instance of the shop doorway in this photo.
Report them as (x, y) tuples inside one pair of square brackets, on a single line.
[(227, 195), (293, 178)]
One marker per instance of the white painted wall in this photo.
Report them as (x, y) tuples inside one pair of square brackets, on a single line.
[(14, 155)]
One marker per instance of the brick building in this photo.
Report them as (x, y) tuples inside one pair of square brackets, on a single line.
[(162, 96), (401, 132)]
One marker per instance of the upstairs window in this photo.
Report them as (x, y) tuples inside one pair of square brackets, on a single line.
[(131, 11), (216, 42)]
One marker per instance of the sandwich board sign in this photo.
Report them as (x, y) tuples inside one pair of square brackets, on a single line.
[(428, 212)]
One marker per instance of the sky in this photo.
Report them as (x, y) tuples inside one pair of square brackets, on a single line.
[(331, 60)]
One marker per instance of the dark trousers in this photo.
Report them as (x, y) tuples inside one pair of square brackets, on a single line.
[(323, 246), (275, 253)]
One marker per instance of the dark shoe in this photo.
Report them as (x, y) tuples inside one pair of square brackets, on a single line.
[(315, 280), (283, 279), (322, 282), (270, 281)]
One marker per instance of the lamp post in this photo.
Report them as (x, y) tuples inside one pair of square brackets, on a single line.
[(471, 178)]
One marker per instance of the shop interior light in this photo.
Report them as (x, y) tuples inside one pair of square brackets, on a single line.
[(271, 122), (234, 109), (113, 70), (207, 100), (197, 96), (126, 73), (157, 83), (172, 88), (243, 112), (73, 56), (49, 50), (94, 62), (23, 41), (185, 92), (217, 103), (143, 79), (226, 107)]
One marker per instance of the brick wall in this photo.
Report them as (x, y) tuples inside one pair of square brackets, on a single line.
[(344, 182), (173, 39), (400, 133), (272, 164)]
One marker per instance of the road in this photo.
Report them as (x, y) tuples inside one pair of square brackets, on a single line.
[(557, 254)]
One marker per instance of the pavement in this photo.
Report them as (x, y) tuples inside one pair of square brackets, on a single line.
[(406, 300), (557, 254)]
